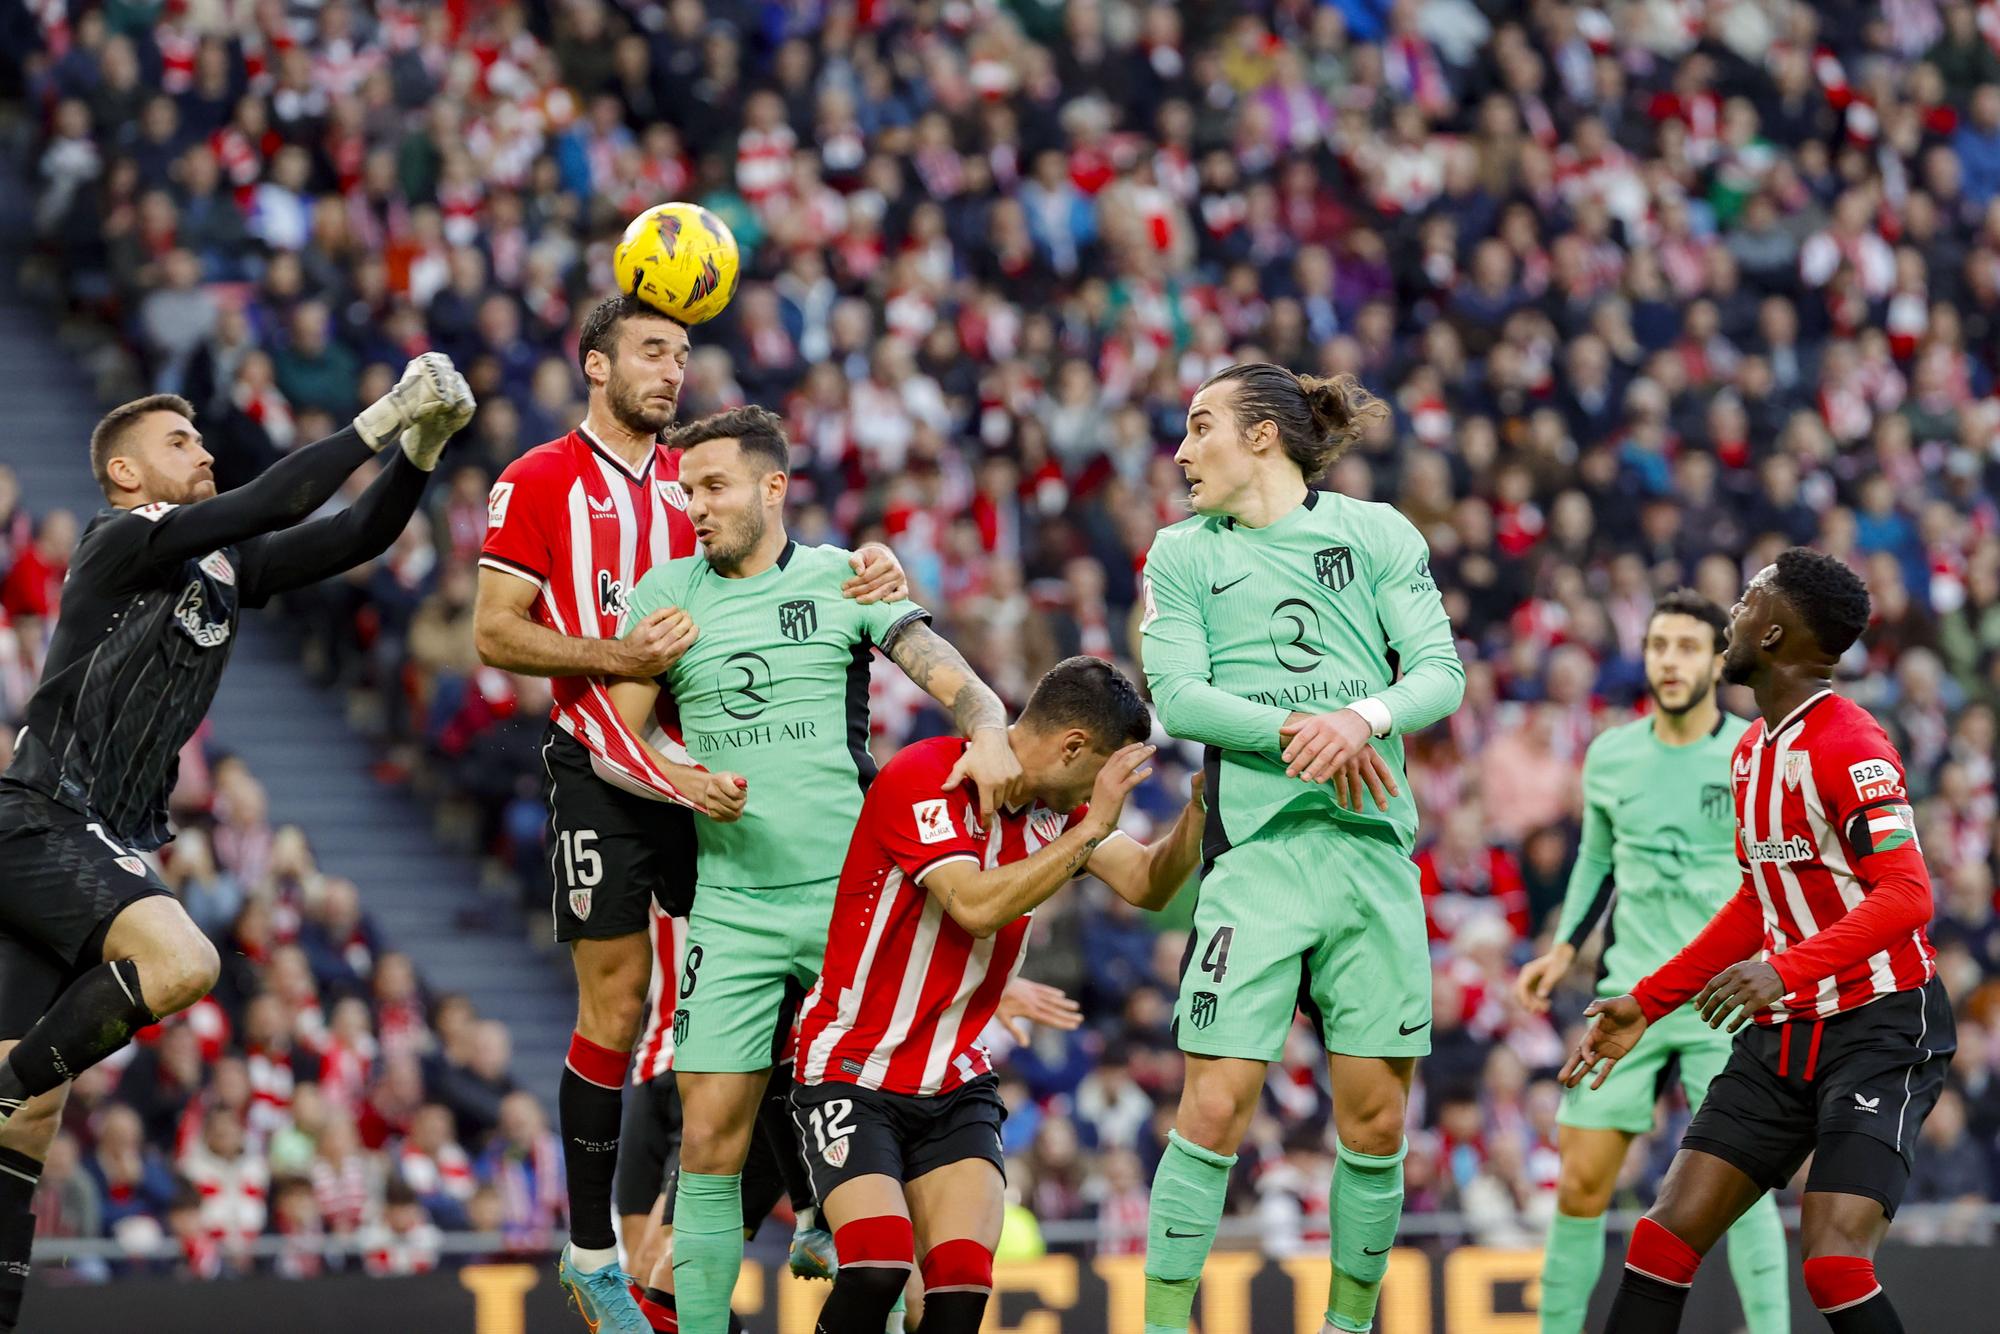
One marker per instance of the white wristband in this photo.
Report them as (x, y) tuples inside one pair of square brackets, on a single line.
[(1376, 714)]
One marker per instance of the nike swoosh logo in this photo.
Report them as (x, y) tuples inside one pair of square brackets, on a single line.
[(1407, 1029), (1366, 1251), (1183, 1236), (1224, 588)]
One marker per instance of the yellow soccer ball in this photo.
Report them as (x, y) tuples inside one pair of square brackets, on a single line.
[(681, 260)]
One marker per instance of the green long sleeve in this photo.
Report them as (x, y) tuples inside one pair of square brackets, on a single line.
[(1414, 621), (1174, 646)]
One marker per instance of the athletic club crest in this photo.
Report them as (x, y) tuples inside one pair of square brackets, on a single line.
[(836, 1153), (1795, 769), (1047, 824), (674, 494), (579, 902), (134, 865), (217, 567)]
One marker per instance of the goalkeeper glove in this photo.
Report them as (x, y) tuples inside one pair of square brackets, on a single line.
[(425, 438), (424, 386)]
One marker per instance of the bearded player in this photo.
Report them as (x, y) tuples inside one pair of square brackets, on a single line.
[(1657, 859), (773, 694), (93, 946), (572, 526), (1823, 954), (897, 1104)]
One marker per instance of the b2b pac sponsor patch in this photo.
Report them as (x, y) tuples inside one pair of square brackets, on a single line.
[(1875, 780)]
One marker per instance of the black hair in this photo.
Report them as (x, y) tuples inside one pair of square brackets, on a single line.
[(1687, 602), (1091, 694), (1317, 418), (1829, 597), (759, 431), (600, 327)]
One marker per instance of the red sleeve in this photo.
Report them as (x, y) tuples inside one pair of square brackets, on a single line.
[(1867, 807), (1731, 936), (919, 823), (520, 516)]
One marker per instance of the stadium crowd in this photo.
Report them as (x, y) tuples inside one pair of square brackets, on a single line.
[(1655, 288)]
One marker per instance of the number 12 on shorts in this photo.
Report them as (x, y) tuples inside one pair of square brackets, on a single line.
[(831, 1127)]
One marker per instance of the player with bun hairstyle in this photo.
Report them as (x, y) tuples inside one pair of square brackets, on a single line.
[(1298, 635)]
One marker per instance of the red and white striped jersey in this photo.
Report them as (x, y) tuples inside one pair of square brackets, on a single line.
[(1815, 795), (654, 1055), (573, 519), (906, 991)]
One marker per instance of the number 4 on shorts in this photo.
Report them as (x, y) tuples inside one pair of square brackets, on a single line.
[(1215, 959)]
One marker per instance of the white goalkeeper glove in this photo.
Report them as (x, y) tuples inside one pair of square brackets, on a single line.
[(425, 438), (424, 386)]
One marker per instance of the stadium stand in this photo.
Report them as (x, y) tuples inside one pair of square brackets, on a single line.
[(1655, 289)]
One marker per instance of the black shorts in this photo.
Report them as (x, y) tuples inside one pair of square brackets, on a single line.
[(846, 1131), (611, 853), (63, 878), (1860, 1099)]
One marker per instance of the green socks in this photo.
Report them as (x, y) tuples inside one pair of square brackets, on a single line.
[(1188, 1193), (1367, 1206), (1570, 1265), (1758, 1263), (708, 1249)]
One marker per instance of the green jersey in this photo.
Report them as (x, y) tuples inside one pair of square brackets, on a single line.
[(775, 687), (1331, 605), (1660, 821)]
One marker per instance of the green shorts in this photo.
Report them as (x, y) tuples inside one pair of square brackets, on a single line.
[(1632, 1090), (744, 946), (1315, 916)]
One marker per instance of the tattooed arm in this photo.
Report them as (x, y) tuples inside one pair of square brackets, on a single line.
[(942, 671), (985, 901)]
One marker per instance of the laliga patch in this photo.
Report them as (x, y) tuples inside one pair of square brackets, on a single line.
[(217, 567), (155, 510), (836, 1153), (933, 821), (1149, 610), (1875, 780), (497, 501)]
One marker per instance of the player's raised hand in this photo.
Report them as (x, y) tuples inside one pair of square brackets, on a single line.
[(1025, 1003), (878, 576), (722, 795), (989, 764), (425, 437), (1121, 775), (1620, 1024), (1534, 983), (426, 385), (656, 643), (1752, 985)]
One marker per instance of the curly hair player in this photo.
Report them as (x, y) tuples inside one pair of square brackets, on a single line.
[(1822, 952)]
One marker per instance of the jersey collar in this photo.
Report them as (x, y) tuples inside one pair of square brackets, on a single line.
[(1311, 502), (1772, 734), (638, 474)]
